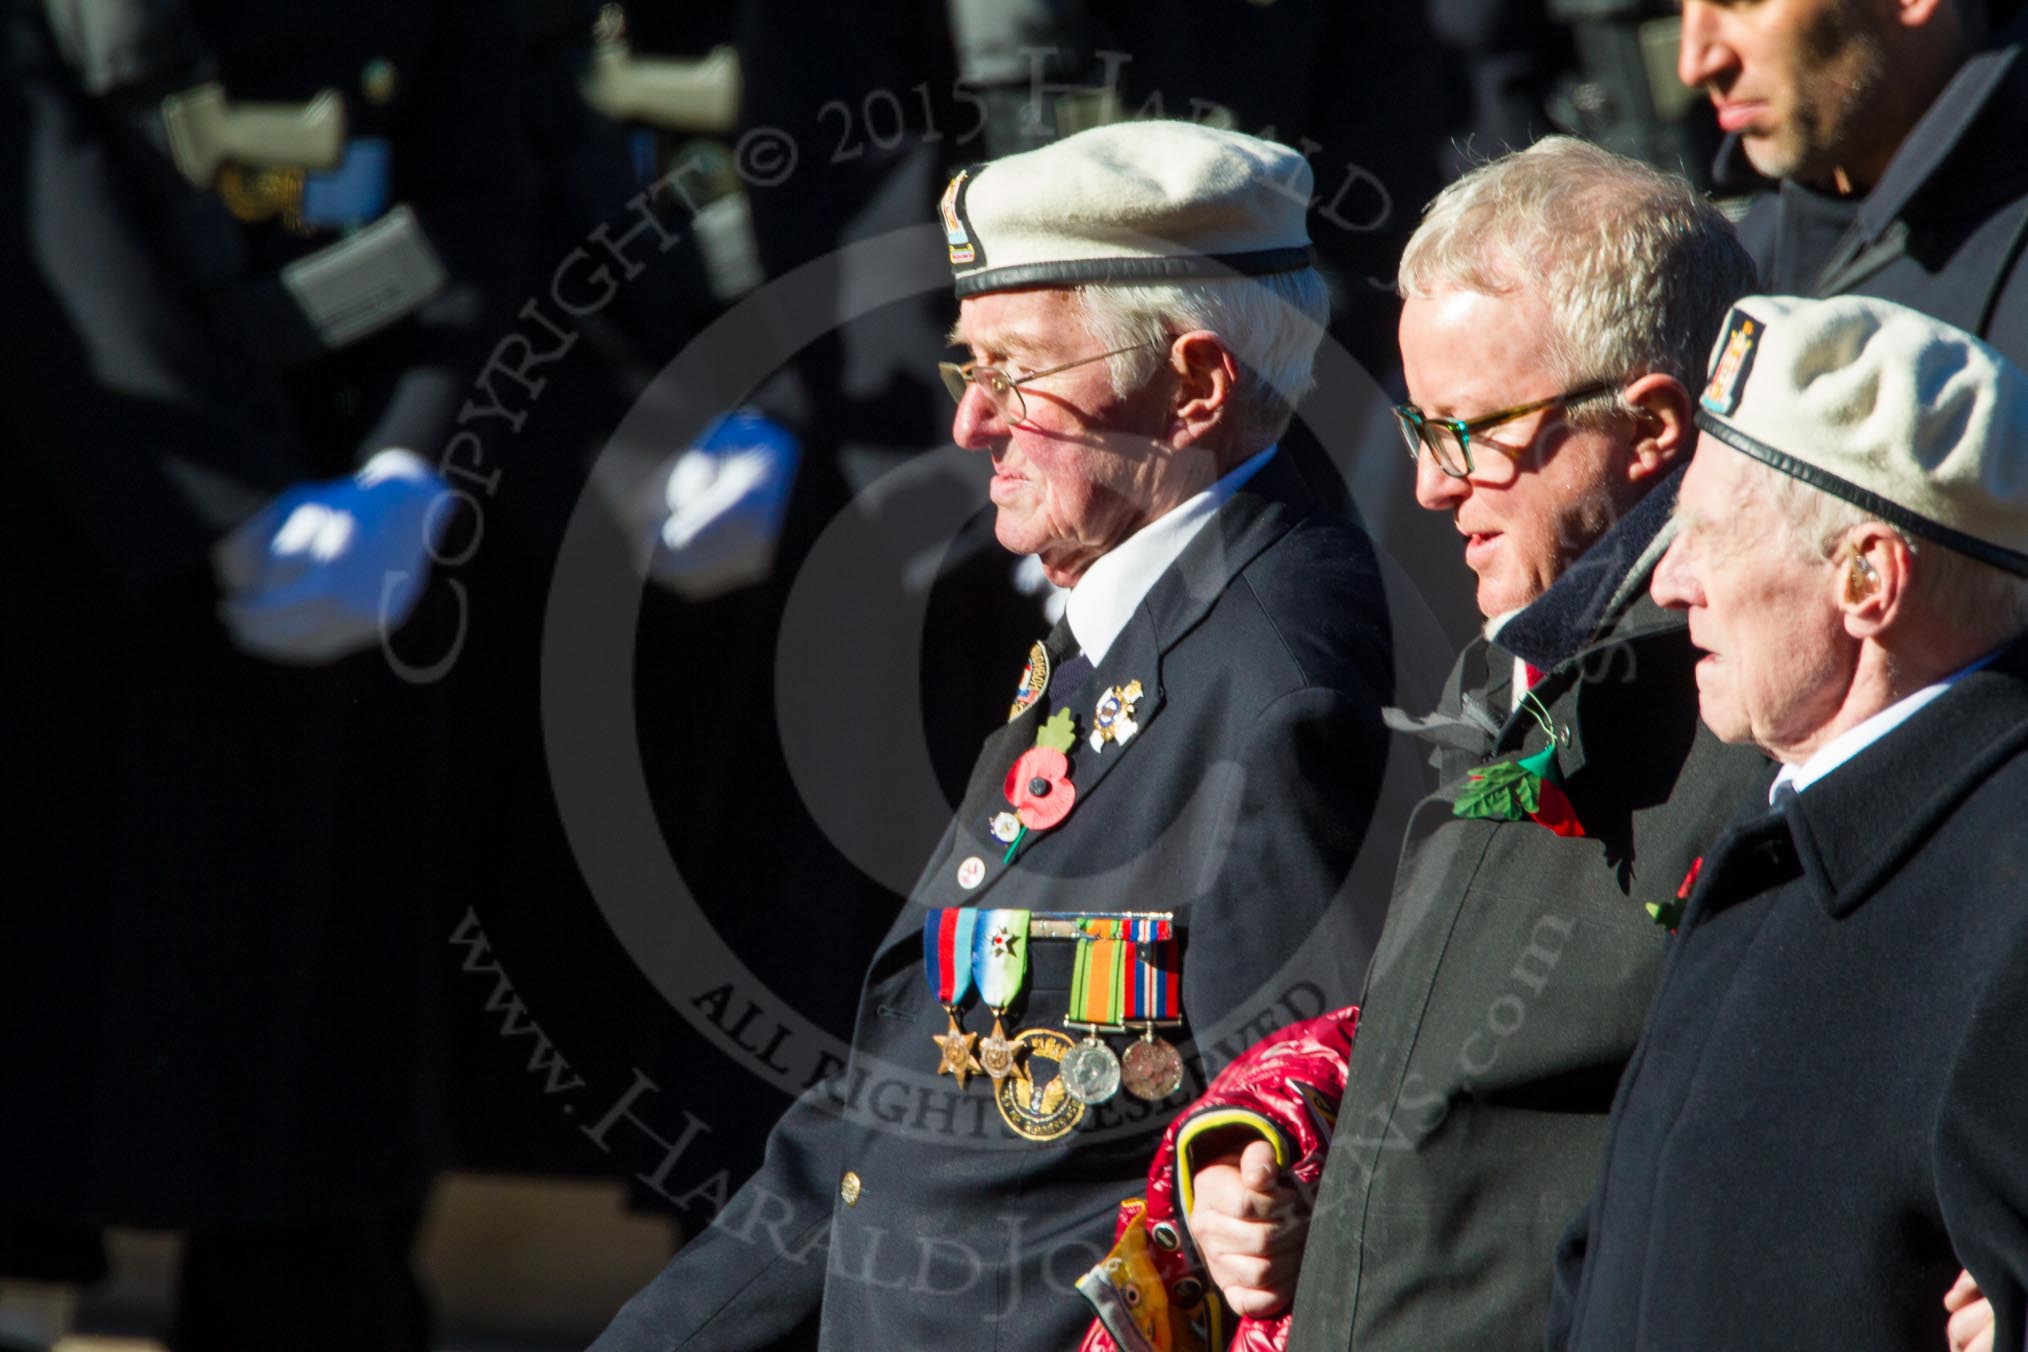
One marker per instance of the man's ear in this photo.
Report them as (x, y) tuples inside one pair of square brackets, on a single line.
[(1874, 569), (1206, 374), (1664, 432)]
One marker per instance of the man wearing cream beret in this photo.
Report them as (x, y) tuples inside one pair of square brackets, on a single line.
[(1825, 1119), (1198, 743)]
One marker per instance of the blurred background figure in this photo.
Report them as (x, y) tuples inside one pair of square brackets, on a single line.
[(1877, 147), (253, 254)]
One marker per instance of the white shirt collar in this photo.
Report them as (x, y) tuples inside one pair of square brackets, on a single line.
[(1105, 598), (1859, 736)]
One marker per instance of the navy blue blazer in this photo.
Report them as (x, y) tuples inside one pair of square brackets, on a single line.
[(1241, 805)]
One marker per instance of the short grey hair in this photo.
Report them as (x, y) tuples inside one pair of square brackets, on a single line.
[(1973, 597), (1272, 325), (1637, 268)]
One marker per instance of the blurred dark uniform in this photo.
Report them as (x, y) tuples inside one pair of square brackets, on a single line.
[(218, 1012), (734, 823), (1355, 87), (1501, 59)]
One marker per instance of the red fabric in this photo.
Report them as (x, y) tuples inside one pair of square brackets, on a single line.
[(1690, 879), (1533, 673), (1553, 810), (1294, 1078)]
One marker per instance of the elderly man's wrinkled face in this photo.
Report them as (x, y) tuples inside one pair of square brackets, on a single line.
[(1086, 468), (1540, 491), (1804, 82), (1777, 661)]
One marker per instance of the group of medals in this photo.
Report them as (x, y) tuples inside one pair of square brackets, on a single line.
[(1126, 979)]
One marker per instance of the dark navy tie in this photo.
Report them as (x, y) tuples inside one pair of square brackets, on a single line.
[(1070, 671)]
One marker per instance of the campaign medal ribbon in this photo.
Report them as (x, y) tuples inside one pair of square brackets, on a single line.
[(947, 963), (1151, 1069), (1097, 992), (999, 966)]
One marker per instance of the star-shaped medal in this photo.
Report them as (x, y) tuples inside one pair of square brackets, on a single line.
[(998, 1053), (958, 1062)]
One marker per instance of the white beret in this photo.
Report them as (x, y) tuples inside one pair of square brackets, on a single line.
[(1911, 419), (1129, 202)]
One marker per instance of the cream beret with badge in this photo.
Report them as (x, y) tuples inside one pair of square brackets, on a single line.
[(1150, 202), (1911, 419)]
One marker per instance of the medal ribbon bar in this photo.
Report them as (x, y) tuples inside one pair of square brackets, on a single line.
[(1098, 977), (1000, 956), (947, 953), (1071, 924), (1154, 974)]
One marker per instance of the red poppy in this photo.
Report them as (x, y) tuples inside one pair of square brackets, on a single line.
[(1553, 810), (1039, 787)]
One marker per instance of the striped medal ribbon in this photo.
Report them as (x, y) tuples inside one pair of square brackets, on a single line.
[(1000, 966), (1152, 1069), (1097, 999), (947, 963)]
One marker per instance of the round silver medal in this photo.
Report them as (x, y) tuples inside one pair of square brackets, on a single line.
[(1091, 1072), (1151, 1069)]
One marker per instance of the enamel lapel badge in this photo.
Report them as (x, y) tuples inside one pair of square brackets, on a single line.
[(1034, 682), (1113, 719)]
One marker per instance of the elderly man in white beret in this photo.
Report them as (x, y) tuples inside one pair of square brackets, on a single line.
[(1156, 849), (1826, 1117)]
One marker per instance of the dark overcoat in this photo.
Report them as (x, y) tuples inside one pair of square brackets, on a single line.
[(1516, 966), (1240, 804), (1826, 1116)]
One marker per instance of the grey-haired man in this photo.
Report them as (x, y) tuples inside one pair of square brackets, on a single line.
[(1201, 737), (1824, 1119), (1559, 302)]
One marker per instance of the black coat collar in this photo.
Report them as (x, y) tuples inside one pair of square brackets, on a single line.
[(1596, 589), (1851, 830), (1262, 510), (1600, 600), (1259, 512)]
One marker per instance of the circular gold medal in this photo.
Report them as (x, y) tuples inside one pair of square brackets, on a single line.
[(1151, 1069), (1031, 1109)]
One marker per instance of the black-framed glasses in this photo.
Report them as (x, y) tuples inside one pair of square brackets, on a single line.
[(1449, 440), (1003, 390)]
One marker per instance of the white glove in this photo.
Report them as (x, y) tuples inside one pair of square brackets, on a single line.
[(328, 569), (716, 509)]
